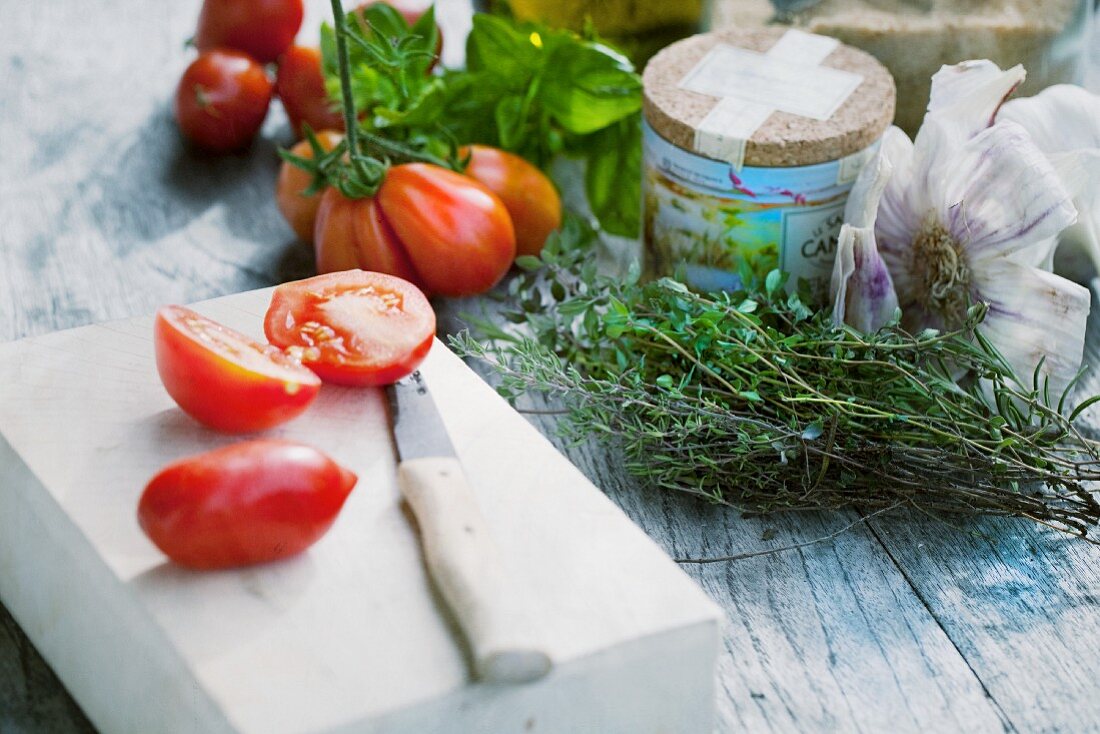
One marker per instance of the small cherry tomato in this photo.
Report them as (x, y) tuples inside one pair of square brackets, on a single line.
[(222, 100), (353, 327), (527, 193), (449, 231), (299, 210), (261, 28), (223, 379), (301, 86), (251, 502)]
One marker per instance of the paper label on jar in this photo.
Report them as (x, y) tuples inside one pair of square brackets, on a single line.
[(809, 238), (792, 86)]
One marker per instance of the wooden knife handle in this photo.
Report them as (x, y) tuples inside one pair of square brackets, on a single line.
[(467, 569)]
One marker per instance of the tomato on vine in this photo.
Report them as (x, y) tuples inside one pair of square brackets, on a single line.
[(442, 230), (527, 193), (296, 202)]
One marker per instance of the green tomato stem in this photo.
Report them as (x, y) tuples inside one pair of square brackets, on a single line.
[(350, 118)]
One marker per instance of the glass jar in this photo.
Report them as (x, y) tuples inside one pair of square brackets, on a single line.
[(913, 38)]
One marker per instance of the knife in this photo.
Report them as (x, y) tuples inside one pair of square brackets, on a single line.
[(460, 554)]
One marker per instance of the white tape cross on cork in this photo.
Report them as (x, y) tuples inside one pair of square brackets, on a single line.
[(750, 86)]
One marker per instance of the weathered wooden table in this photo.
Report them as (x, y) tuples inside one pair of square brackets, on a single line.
[(899, 624)]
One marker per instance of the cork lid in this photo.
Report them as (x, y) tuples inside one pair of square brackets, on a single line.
[(770, 97)]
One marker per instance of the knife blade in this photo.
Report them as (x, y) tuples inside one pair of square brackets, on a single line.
[(461, 556)]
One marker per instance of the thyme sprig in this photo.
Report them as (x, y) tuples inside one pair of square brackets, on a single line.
[(756, 400)]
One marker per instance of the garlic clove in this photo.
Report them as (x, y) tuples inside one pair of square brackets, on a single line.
[(1059, 119), (1034, 315), (901, 208), (968, 95), (863, 292), (1064, 121), (1000, 196), (1079, 248)]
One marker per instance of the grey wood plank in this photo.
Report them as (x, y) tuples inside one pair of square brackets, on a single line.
[(1022, 605), (105, 212), (32, 700), (1020, 602), (824, 638)]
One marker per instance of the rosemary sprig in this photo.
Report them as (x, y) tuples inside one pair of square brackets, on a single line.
[(756, 400)]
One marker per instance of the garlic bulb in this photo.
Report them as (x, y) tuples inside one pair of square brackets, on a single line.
[(966, 213)]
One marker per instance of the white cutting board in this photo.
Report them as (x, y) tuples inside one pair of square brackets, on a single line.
[(349, 636)]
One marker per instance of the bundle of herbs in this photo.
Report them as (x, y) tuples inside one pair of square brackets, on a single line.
[(756, 400)]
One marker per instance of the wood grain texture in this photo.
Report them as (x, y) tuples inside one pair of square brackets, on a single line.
[(901, 625)]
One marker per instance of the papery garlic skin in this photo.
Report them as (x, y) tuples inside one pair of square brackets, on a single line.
[(1064, 122), (970, 212)]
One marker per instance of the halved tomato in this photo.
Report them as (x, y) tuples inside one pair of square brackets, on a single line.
[(353, 327), (225, 380)]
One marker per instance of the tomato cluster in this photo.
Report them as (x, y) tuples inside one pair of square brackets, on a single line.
[(351, 328), (262, 500), (451, 234), (223, 96)]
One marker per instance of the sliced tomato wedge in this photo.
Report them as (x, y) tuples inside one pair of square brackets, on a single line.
[(225, 380), (353, 327)]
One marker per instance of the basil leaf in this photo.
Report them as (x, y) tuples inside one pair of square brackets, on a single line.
[(613, 177), (510, 119), (590, 88), (495, 45)]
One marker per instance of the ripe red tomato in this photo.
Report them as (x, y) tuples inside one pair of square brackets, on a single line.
[(300, 211), (444, 231), (224, 379), (260, 28), (248, 503), (527, 193), (456, 232), (301, 86), (222, 100), (353, 327), (357, 235)]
